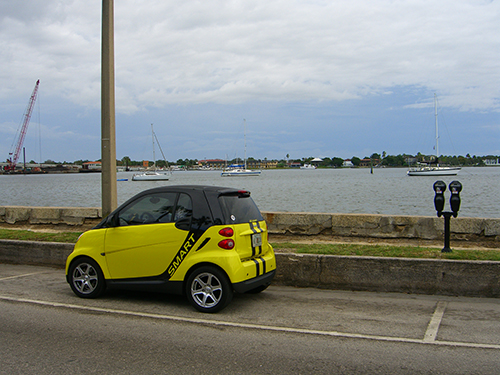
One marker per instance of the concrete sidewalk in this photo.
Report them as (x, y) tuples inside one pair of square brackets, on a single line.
[(422, 276)]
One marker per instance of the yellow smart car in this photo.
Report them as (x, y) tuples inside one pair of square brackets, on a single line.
[(201, 241)]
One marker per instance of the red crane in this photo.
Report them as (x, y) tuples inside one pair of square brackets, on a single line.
[(12, 161)]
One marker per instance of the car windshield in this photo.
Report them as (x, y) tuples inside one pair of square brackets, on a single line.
[(239, 208)]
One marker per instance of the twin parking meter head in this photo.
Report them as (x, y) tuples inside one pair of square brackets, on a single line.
[(455, 188), (439, 189)]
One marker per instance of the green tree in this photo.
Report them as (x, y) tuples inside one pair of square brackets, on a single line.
[(126, 161), (355, 161), (327, 162), (337, 162), (394, 161)]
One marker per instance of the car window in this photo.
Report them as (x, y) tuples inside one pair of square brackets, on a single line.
[(238, 209), (149, 209), (184, 207)]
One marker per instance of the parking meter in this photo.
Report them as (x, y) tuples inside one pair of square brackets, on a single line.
[(439, 188), (455, 188)]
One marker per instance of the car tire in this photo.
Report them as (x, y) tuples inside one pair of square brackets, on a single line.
[(208, 289), (86, 278)]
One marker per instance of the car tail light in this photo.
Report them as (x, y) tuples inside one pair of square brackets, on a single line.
[(226, 244), (226, 232)]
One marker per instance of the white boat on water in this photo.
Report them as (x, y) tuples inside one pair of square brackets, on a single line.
[(434, 171), (154, 174), (429, 170), (151, 176), (307, 166), (240, 170)]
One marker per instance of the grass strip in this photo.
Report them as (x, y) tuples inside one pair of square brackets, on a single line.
[(388, 251), (28, 235)]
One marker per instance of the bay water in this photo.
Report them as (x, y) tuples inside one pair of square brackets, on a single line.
[(387, 191)]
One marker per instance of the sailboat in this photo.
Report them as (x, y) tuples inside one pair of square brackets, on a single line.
[(239, 170), (436, 170), (155, 174)]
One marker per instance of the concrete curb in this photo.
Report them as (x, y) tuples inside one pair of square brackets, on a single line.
[(52, 254), (381, 274), (404, 275)]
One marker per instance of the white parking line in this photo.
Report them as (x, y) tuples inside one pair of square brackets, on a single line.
[(23, 275), (253, 326), (433, 327)]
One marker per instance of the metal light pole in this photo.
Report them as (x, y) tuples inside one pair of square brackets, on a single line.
[(108, 140)]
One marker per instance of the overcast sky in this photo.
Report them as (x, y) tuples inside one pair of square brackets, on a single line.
[(318, 78)]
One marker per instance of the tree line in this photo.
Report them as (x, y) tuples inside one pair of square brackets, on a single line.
[(401, 160), (383, 160)]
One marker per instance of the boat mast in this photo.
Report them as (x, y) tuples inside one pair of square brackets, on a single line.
[(437, 132), (153, 140), (245, 138)]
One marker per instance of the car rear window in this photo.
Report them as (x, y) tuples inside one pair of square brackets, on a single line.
[(239, 208)]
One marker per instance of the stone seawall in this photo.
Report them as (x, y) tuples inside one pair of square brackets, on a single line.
[(363, 226), (293, 224), (78, 218)]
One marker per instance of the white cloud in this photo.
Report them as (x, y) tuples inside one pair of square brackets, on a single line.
[(233, 52)]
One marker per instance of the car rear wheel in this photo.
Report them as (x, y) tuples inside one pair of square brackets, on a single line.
[(208, 289), (86, 278)]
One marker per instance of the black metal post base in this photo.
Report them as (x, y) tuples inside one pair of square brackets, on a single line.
[(446, 248)]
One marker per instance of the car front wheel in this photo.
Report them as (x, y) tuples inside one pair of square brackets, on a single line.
[(208, 289), (86, 278)]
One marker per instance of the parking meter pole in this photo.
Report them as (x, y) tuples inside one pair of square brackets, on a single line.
[(446, 248)]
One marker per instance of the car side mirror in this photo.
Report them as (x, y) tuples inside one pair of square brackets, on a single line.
[(111, 221)]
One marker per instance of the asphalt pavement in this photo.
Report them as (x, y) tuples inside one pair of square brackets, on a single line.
[(45, 328)]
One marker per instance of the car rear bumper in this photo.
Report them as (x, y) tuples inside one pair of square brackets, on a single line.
[(247, 285)]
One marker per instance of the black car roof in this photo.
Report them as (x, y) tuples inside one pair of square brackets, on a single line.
[(180, 188)]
